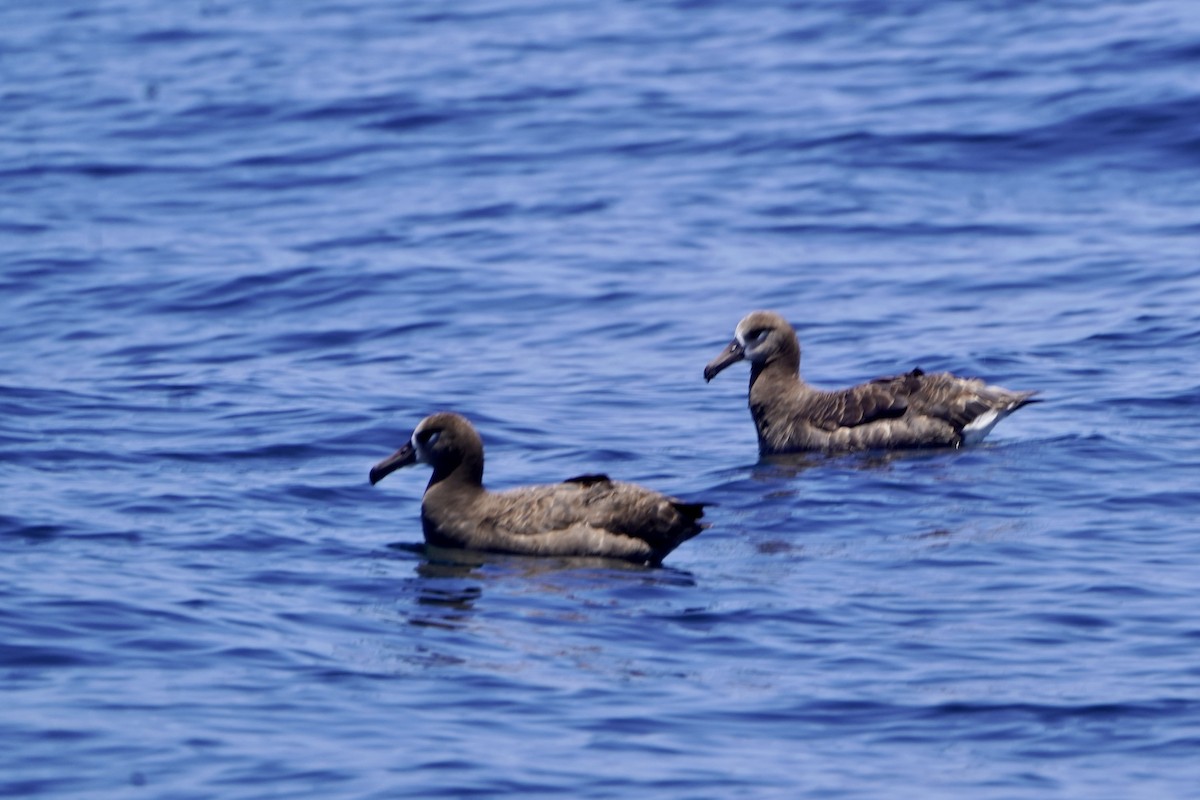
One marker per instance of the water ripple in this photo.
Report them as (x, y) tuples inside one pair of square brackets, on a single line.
[(248, 250)]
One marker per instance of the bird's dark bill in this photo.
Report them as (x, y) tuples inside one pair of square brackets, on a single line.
[(730, 355), (401, 458)]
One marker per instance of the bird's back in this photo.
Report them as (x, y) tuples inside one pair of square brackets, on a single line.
[(590, 515), (915, 409)]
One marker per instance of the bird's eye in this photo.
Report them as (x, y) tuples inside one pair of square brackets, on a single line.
[(426, 438), (759, 334)]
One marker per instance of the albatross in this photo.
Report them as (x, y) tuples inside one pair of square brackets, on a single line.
[(589, 515), (913, 410)]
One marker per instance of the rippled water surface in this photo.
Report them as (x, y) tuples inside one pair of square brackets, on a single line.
[(245, 247)]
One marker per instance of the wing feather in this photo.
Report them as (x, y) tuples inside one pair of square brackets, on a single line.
[(885, 398), (597, 502), (942, 396)]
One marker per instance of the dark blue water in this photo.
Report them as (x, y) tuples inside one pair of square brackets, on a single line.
[(245, 247)]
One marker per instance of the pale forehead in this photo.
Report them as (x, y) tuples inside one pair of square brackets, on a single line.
[(758, 319)]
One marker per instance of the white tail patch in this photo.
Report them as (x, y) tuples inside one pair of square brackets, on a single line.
[(981, 426)]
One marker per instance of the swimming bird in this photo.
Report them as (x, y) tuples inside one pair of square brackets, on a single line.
[(915, 409), (589, 515)]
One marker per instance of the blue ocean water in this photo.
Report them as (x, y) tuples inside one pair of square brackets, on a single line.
[(245, 247)]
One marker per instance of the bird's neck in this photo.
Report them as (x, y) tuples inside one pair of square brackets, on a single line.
[(781, 369), (464, 474)]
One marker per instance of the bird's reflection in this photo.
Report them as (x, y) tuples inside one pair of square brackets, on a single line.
[(773, 468), (449, 582), (789, 465)]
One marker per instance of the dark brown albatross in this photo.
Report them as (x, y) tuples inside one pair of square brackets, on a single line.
[(590, 515), (903, 411)]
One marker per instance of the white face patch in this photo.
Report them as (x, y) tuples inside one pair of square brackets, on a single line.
[(422, 448), (752, 345)]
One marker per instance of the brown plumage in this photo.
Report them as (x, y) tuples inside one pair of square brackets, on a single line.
[(590, 515), (911, 410)]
